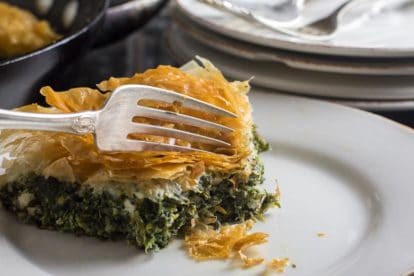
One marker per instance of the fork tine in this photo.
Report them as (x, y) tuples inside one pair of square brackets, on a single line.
[(137, 145), (156, 93), (193, 103), (179, 118), (171, 132)]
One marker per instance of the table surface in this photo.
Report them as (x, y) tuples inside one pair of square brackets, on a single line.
[(144, 49)]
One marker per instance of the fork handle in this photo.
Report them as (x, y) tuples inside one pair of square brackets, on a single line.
[(76, 123)]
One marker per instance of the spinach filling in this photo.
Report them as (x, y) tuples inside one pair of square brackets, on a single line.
[(146, 223)]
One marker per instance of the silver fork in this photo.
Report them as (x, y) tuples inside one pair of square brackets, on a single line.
[(113, 124), (322, 29)]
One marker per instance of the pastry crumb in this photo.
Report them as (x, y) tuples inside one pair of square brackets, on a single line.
[(230, 241), (279, 264), (321, 234)]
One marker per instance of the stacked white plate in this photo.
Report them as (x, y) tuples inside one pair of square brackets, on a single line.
[(368, 65)]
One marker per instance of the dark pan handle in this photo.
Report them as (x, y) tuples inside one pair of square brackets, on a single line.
[(123, 17)]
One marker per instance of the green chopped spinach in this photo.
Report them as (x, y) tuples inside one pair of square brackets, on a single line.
[(146, 223), (259, 142)]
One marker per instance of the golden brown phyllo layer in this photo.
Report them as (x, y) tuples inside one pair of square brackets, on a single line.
[(76, 159)]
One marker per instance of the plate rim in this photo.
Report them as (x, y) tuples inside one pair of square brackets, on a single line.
[(173, 37), (297, 60)]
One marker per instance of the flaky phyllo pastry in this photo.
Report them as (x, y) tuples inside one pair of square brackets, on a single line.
[(63, 182)]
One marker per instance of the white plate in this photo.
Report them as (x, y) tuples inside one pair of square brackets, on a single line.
[(283, 78), (341, 171), (321, 63), (385, 35)]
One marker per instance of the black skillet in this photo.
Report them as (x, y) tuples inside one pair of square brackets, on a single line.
[(97, 22)]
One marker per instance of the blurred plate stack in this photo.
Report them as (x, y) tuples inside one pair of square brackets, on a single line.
[(369, 65)]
